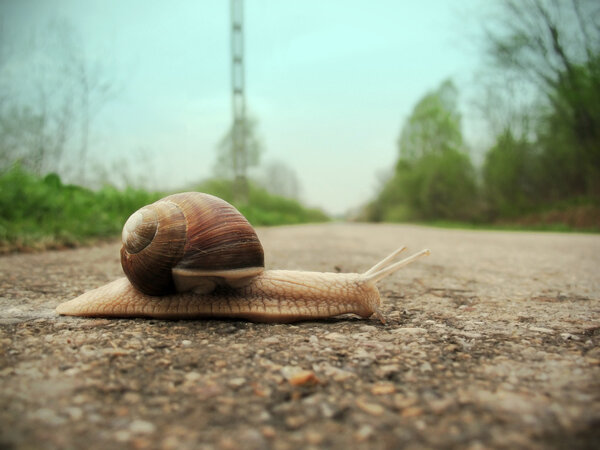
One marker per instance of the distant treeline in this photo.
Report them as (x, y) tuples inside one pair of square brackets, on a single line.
[(545, 161), (41, 212)]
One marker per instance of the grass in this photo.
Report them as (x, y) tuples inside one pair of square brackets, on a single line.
[(516, 226), (39, 213), (264, 208)]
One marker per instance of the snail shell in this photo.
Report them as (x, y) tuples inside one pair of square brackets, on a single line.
[(189, 241)]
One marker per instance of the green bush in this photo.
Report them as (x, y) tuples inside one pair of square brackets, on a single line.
[(43, 212), (435, 186), (262, 207), (511, 172)]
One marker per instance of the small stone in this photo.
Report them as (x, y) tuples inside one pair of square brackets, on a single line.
[(402, 402), (336, 336), (412, 411), (383, 389), (371, 408), (541, 330), (252, 438), (122, 436), (171, 443), (569, 337), (440, 405), (289, 371), (361, 353), (186, 342), (49, 416), (409, 331), (192, 376), (268, 432), (271, 340), (314, 438), (295, 422), (426, 367), (142, 427), (131, 397), (75, 413), (304, 377), (364, 433), (87, 350), (115, 351), (236, 382), (388, 369)]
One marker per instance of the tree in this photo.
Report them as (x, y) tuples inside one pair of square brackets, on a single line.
[(227, 163), (433, 126), (52, 94), (554, 48), (434, 177), (280, 179), (510, 176)]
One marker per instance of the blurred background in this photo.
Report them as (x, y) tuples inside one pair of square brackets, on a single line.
[(471, 113)]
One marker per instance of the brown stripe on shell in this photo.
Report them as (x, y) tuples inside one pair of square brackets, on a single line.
[(219, 236)]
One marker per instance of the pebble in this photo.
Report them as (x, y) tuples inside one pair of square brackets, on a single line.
[(425, 367), (75, 413), (336, 337), (314, 438), (192, 376), (289, 371), (122, 436), (142, 427), (409, 331), (268, 432), (412, 411), (541, 330), (383, 389), (295, 422), (49, 416), (569, 337), (364, 432), (374, 409), (303, 377), (271, 340), (236, 382)]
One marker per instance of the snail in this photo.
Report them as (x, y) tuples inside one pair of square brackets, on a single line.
[(193, 255)]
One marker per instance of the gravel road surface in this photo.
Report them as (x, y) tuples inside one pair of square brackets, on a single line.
[(491, 341)]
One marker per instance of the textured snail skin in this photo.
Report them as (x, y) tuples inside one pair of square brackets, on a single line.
[(274, 296)]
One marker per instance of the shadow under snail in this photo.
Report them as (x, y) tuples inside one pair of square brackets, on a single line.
[(193, 255)]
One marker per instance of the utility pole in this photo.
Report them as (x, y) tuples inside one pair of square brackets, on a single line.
[(240, 183)]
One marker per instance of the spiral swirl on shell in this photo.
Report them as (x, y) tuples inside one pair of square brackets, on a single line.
[(189, 241)]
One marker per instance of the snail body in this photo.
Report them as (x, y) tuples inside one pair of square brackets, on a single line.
[(251, 293)]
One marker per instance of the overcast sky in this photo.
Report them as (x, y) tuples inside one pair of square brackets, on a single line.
[(330, 82)]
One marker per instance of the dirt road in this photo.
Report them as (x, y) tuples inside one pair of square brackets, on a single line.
[(492, 341)]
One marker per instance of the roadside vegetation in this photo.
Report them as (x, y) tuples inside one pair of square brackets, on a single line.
[(540, 98), (39, 213), (42, 212)]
